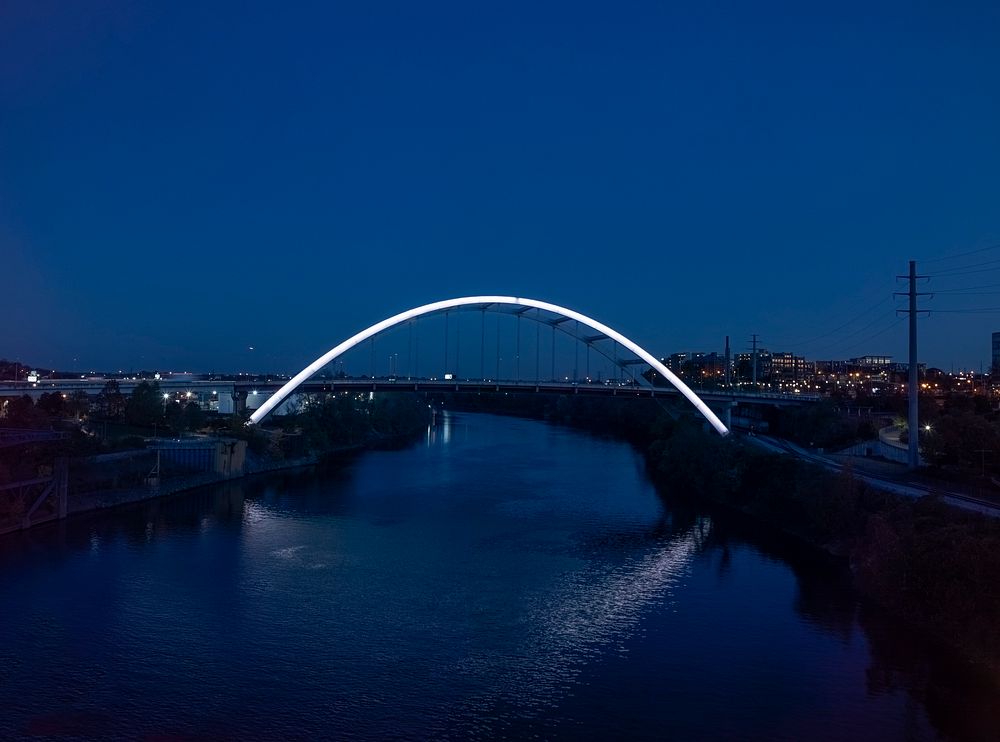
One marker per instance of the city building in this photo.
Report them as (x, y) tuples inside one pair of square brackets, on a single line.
[(790, 367), (697, 365), (872, 362), (744, 366)]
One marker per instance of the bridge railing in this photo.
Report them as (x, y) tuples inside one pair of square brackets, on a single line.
[(427, 382)]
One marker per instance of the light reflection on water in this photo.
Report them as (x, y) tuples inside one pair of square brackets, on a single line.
[(440, 430), (504, 578), (586, 615)]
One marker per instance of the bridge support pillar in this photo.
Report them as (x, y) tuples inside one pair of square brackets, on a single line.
[(239, 401), (729, 414)]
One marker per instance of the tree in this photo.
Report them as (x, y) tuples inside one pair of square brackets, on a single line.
[(175, 416), (817, 425), (111, 402), (144, 404), (52, 404), (957, 440), (22, 413), (78, 404), (194, 418)]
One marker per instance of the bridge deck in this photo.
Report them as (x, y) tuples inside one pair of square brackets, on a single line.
[(396, 384)]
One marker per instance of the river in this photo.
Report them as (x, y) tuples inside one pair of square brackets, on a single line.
[(499, 578)]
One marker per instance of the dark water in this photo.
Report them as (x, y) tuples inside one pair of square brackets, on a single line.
[(502, 578)]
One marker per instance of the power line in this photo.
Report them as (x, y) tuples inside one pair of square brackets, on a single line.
[(835, 330), (840, 346), (965, 273), (968, 288), (963, 254), (982, 310), (959, 270), (868, 339), (840, 341)]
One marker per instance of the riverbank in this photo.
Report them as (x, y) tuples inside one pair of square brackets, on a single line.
[(88, 501), (929, 563), (91, 501), (333, 429)]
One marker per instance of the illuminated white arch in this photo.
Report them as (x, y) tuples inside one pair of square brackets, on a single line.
[(278, 397)]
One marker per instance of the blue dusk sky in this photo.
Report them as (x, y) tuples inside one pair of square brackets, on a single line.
[(181, 181)]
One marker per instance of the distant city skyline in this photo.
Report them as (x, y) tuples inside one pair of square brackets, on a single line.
[(179, 185)]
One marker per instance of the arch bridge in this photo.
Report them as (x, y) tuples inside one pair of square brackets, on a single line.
[(542, 312)]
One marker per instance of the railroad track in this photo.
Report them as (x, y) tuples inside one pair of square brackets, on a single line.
[(908, 489)]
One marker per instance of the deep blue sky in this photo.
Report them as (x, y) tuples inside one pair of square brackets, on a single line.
[(178, 182)]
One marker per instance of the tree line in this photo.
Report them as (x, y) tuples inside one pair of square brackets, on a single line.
[(145, 407)]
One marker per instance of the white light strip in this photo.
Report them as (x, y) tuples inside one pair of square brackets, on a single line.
[(279, 396)]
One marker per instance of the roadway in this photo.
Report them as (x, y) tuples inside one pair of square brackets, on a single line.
[(617, 389)]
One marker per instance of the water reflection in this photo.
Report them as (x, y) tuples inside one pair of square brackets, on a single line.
[(587, 614), (136, 524), (957, 700), (506, 578), (960, 701), (444, 424)]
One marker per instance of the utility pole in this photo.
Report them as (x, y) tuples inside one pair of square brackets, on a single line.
[(728, 364), (913, 458)]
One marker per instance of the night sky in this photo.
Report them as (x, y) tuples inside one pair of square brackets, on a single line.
[(180, 181)]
